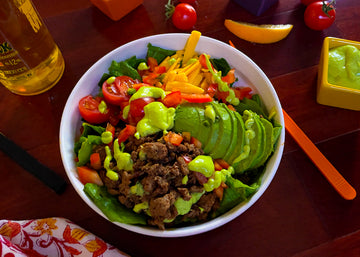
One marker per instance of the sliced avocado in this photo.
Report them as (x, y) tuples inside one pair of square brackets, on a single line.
[(255, 143), (185, 117), (213, 135), (240, 138), (204, 127), (261, 148), (268, 143), (234, 135), (223, 141)]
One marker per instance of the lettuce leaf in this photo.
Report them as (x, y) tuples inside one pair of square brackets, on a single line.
[(111, 207), (123, 68), (90, 136), (235, 193), (158, 53)]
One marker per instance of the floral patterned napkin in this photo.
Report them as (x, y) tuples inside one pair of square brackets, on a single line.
[(55, 237)]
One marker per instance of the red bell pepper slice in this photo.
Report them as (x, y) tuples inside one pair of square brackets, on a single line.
[(126, 132), (196, 98)]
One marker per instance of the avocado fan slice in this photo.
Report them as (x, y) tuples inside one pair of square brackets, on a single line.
[(240, 138), (185, 117), (224, 136), (268, 143), (234, 135), (254, 143), (204, 127)]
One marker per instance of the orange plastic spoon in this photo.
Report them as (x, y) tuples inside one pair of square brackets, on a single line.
[(326, 168)]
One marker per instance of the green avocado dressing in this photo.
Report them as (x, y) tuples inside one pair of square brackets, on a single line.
[(145, 91), (344, 66), (123, 159), (109, 172), (249, 135), (154, 92), (203, 164), (157, 118), (223, 86)]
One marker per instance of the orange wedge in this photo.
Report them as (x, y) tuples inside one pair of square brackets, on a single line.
[(262, 34)]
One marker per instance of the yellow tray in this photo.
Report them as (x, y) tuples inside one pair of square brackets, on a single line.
[(330, 94)]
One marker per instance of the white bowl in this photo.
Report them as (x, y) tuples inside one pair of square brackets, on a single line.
[(246, 69)]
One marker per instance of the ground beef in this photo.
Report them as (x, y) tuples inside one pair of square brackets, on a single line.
[(160, 168)]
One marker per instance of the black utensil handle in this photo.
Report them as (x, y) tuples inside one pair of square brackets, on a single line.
[(29, 163)]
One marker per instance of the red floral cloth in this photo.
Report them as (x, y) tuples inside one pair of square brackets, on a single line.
[(53, 237)]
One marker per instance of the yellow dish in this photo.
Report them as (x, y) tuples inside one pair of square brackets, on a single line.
[(330, 94)]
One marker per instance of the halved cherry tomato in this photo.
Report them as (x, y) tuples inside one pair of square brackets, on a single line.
[(137, 106), (89, 110), (117, 92), (172, 99), (126, 132), (87, 175)]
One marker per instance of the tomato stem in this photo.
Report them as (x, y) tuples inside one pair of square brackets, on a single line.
[(169, 9), (327, 7)]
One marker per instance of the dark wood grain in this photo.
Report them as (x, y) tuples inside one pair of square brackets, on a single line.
[(300, 214)]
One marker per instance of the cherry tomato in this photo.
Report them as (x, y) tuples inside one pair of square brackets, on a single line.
[(319, 15), (184, 16), (117, 92), (89, 110), (137, 107), (307, 2), (188, 1)]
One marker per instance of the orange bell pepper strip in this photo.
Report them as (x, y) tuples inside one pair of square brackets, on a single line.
[(87, 175), (95, 161), (173, 138)]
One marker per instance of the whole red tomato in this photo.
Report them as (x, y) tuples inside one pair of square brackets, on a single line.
[(319, 15), (182, 15)]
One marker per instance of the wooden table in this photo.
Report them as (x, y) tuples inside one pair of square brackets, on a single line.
[(300, 214)]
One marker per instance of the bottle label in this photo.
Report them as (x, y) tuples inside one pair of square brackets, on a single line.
[(10, 63)]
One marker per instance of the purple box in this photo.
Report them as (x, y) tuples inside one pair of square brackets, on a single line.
[(256, 7)]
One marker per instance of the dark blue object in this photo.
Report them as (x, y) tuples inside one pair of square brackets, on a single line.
[(256, 7)]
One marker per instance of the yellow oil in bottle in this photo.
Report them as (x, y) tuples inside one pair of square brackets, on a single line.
[(30, 61)]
